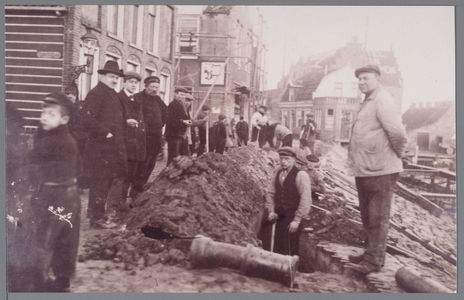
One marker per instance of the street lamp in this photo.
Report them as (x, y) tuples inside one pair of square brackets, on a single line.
[(90, 45)]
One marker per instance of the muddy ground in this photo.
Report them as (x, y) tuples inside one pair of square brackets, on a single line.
[(111, 260)]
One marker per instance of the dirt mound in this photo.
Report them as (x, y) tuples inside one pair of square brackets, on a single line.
[(219, 196)]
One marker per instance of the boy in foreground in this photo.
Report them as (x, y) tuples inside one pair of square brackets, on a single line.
[(56, 202)]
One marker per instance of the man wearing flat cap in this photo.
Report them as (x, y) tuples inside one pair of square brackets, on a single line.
[(105, 159), (376, 146), (154, 116), (177, 124), (288, 201), (309, 132), (135, 135)]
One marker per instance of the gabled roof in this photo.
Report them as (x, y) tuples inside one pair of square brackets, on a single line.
[(418, 117), (304, 91)]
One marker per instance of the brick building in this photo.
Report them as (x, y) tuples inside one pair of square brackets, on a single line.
[(45, 51), (326, 85), (206, 41)]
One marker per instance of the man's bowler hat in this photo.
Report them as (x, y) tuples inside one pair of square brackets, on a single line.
[(111, 66)]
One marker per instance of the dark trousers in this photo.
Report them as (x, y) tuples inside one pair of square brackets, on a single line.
[(177, 146), (284, 242), (131, 178), (375, 196), (145, 168), (287, 141), (242, 138), (202, 138), (104, 191), (56, 241), (220, 146)]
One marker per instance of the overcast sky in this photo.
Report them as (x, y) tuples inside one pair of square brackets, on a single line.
[(422, 38)]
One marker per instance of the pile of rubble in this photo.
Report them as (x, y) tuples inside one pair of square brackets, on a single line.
[(219, 196)]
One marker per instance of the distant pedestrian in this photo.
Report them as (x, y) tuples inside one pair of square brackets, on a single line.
[(309, 132), (154, 116), (288, 201), (135, 132), (220, 135), (203, 115), (105, 157), (242, 132), (259, 122), (55, 202), (377, 144), (178, 124)]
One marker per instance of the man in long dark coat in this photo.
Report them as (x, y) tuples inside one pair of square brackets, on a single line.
[(135, 135), (242, 132), (105, 159), (154, 115), (177, 123)]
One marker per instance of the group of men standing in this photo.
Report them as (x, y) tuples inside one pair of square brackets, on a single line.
[(125, 135)]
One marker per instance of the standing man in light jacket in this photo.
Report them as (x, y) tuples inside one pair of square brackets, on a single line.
[(376, 147)]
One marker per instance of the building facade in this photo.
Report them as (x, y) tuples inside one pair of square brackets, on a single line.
[(325, 84), (218, 53), (45, 51), (432, 127)]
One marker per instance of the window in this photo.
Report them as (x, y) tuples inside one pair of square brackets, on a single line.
[(115, 20), (329, 121), (238, 38), (318, 117), (111, 56), (136, 25), (164, 88), (150, 72), (338, 92), (188, 40), (167, 16), (153, 23)]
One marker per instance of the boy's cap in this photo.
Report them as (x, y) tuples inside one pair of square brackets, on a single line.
[(205, 107), (59, 99), (131, 74), (151, 79), (301, 160), (222, 117), (312, 158), (286, 151), (181, 90)]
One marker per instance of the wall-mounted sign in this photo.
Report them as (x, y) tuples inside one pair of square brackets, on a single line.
[(211, 70), (45, 54)]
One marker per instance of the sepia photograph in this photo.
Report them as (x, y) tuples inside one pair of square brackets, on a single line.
[(230, 149)]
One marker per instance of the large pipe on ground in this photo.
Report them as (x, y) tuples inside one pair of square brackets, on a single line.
[(251, 261), (414, 282)]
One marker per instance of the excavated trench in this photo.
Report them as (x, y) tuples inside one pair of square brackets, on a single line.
[(222, 197)]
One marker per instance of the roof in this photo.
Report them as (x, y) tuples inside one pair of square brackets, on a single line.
[(418, 117)]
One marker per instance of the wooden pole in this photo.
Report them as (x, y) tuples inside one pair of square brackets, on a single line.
[(207, 136)]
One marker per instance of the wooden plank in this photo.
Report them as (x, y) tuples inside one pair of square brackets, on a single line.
[(32, 79), (32, 88), (34, 29), (418, 199), (26, 105), (46, 38), (34, 62), (32, 20), (34, 46), (25, 96), (34, 71)]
